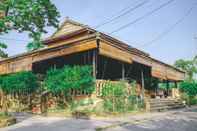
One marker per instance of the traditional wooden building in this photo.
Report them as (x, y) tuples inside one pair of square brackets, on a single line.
[(77, 44)]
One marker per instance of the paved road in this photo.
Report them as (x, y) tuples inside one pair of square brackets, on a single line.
[(179, 121), (183, 120)]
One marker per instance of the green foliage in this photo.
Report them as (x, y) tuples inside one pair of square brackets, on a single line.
[(189, 87), (36, 44), (114, 89), (164, 85), (114, 96), (76, 104), (133, 102), (118, 99), (189, 66), (2, 53), (31, 16), (190, 100), (19, 82), (28, 15), (67, 78)]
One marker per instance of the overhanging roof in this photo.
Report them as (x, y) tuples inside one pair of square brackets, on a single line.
[(159, 69)]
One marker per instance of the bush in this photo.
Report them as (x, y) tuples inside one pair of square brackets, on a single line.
[(114, 95), (189, 89), (19, 82), (67, 78)]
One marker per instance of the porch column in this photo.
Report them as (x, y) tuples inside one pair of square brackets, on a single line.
[(175, 83), (167, 86), (142, 80), (175, 90), (94, 62), (123, 71)]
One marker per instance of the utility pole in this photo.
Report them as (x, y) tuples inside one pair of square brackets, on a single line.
[(195, 38)]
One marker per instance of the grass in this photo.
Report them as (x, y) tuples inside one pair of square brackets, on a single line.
[(4, 115)]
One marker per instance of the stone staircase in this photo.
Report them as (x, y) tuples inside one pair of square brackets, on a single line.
[(163, 104)]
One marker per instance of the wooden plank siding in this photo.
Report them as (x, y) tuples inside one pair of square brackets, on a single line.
[(66, 28), (174, 75), (80, 35), (108, 50), (165, 72), (24, 63), (158, 70), (67, 50)]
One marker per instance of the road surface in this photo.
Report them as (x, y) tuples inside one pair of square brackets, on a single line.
[(181, 120)]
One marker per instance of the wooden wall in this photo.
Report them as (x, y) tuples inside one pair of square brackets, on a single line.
[(16, 65), (108, 50), (24, 63), (166, 73)]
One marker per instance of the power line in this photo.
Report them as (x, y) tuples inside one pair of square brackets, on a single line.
[(123, 12), (142, 17), (10, 39), (168, 30)]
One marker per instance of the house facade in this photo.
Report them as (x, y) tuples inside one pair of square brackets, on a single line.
[(111, 59)]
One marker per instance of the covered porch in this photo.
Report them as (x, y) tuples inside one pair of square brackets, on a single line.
[(106, 69)]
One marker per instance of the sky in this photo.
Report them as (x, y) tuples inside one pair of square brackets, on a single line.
[(175, 30)]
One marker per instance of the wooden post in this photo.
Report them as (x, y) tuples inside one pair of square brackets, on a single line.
[(123, 71), (167, 86), (175, 83), (142, 80), (94, 63)]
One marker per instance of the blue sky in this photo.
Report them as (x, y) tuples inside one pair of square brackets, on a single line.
[(178, 43)]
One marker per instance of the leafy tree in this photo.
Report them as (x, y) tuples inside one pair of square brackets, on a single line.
[(2, 53), (30, 16), (190, 88), (36, 44), (190, 66)]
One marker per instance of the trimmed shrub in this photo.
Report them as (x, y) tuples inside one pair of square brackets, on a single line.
[(19, 82), (67, 78)]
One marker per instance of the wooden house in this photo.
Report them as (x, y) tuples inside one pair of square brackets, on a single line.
[(77, 44)]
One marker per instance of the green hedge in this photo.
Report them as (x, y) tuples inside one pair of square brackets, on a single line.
[(189, 87), (19, 82), (76, 77)]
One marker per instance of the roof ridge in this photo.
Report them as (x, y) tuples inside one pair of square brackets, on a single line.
[(68, 20)]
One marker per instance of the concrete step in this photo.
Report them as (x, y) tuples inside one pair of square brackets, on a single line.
[(164, 104), (166, 108)]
